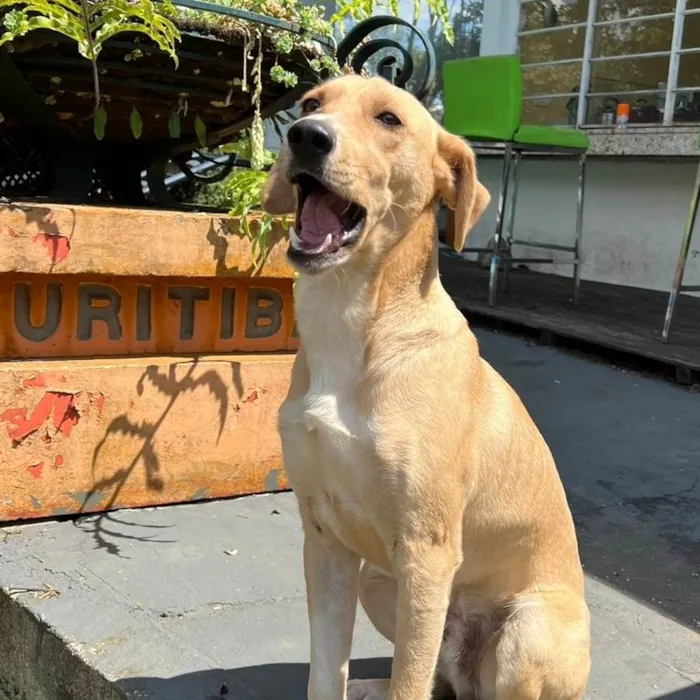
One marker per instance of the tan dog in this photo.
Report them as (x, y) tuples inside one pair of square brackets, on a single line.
[(423, 484)]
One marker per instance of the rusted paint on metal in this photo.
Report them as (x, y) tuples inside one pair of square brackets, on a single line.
[(65, 316), (170, 429), (132, 242)]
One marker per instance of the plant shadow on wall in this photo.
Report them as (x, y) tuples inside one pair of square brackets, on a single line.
[(105, 527)]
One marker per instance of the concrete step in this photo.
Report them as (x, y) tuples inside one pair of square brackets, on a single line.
[(207, 602)]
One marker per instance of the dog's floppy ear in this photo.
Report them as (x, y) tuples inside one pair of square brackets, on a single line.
[(456, 183), (279, 196)]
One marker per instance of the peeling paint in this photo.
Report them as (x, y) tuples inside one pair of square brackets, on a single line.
[(98, 399), (58, 462), (272, 480), (36, 503), (58, 246), (9, 231), (87, 500), (20, 426), (252, 397), (65, 416), (42, 379), (36, 469), (199, 494)]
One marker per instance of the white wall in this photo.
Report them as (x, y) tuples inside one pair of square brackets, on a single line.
[(633, 220)]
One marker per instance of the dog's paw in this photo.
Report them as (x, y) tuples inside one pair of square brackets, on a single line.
[(368, 689)]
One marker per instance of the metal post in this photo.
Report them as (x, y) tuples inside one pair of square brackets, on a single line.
[(674, 62), (586, 63), (580, 201), (682, 257), (502, 199), (508, 238)]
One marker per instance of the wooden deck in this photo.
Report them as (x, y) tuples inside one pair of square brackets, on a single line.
[(608, 317)]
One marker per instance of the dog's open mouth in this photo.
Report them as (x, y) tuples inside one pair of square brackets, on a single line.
[(326, 222)]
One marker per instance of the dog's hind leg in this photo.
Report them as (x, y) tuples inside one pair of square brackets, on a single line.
[(541, 652)]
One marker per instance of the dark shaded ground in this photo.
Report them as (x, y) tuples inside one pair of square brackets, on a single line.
[(628, 450)]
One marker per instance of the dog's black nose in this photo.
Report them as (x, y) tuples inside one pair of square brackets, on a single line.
[(310, 139)]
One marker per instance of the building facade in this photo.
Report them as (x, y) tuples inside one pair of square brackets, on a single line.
[(580, 59)]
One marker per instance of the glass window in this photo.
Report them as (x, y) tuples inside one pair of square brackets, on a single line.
[(552, 46), (687, 97), (689, 71), (610, 10), (622, 35), (645, 36), (691, 32), (628, 75), (553, 13), (550, 80), (555, 111)]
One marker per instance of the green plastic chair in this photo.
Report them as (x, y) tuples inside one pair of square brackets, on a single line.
[(483, 102)]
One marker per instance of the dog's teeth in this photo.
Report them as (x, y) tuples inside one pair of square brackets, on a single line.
[(328, 240), (294, 238)]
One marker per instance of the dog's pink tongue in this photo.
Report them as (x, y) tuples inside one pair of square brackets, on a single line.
[(320, 216)]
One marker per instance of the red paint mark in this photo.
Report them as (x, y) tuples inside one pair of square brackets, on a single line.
[(98, 399), (57, 245), (252, 398), (9, 231), (35, 470), (58, 462), (21, 426), (65, 416), (37, 380)]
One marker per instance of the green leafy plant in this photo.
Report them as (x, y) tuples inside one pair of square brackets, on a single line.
[(90, 23)]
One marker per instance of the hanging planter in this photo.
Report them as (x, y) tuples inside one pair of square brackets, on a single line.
[(143, 97)]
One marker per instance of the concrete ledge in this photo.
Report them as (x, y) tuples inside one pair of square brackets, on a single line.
[(207, 602), (36, 664), (93, 435), (81, 240)]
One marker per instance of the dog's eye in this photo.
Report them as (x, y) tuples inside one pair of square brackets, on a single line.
[(310, 105), (389, 119)]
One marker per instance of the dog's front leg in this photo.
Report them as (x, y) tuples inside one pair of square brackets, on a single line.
[(331, 586), (425, 574)]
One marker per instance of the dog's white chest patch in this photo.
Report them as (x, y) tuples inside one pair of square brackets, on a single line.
[(332, 322)]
